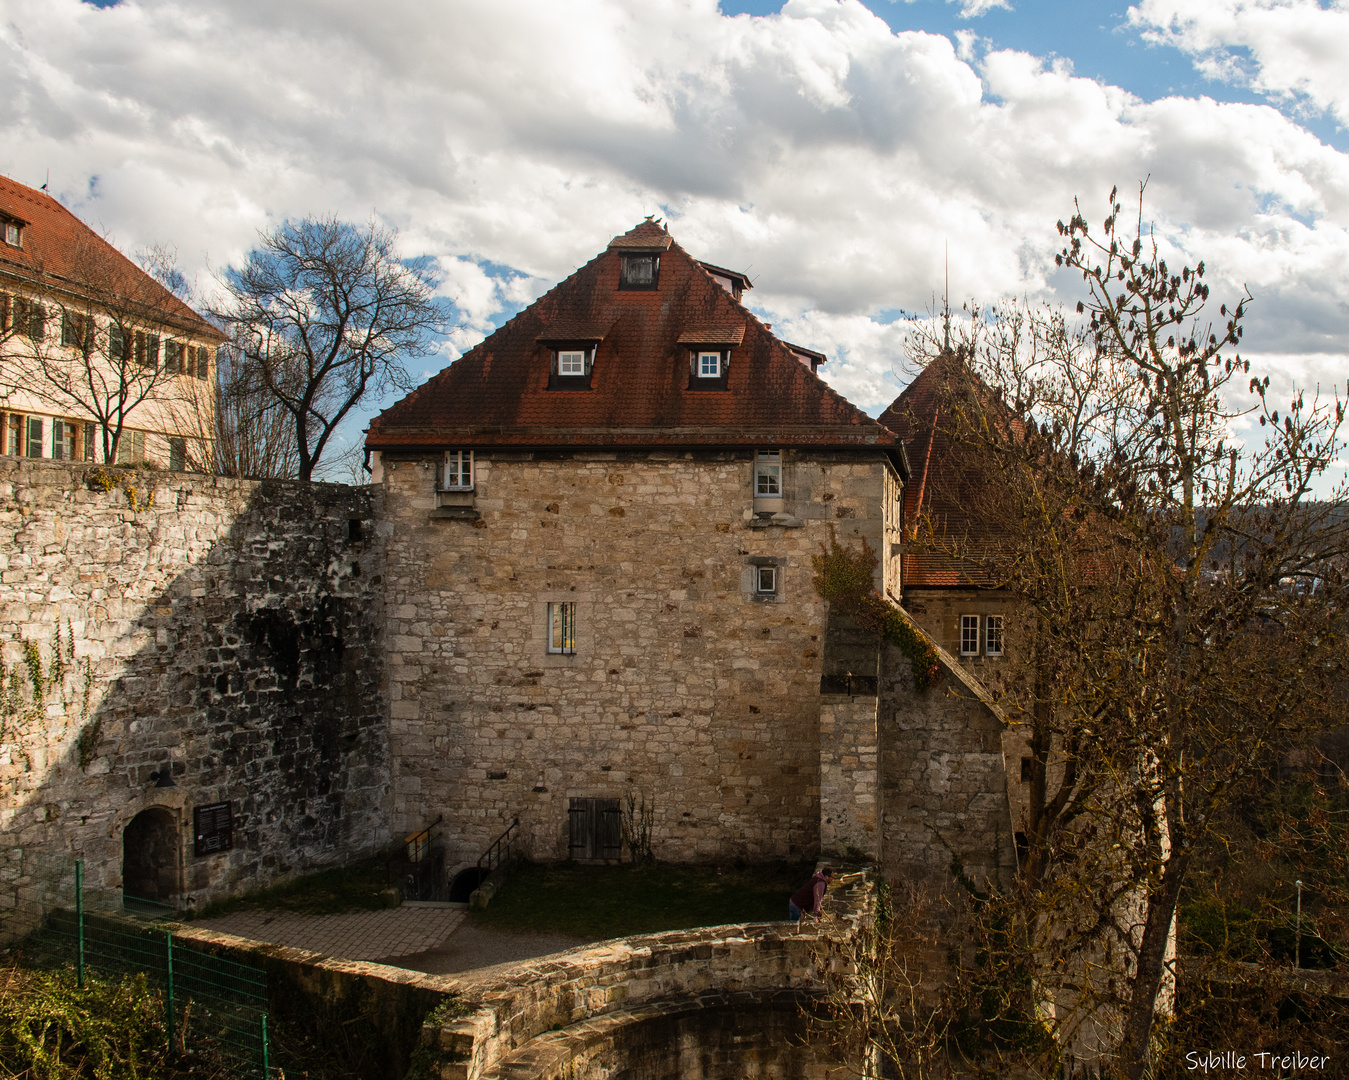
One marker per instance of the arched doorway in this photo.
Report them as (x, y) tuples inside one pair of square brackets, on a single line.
[(150, 857)]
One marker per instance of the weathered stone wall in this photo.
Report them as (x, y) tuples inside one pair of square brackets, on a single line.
[(226, 631), (850, 808), (944, 781), (687, 689), (583, 1012)]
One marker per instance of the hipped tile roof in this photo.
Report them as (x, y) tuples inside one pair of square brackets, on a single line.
[(61, 252), (497, 393)]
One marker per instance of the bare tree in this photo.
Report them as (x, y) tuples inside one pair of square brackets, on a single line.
[(1180, 595), (322, 313)]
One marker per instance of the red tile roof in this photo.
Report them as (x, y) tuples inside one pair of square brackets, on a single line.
[(937, 489), (497, 393), (59, 251)]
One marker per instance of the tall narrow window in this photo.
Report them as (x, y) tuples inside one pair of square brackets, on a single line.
[(34, 448), (173, 357), (562, 628), (75, 330), (768, 475), (969, 635), (14, 435), (458, 474), (203, 362), (63, 440), (993, 635), (117, 336), (90, 442), (177, 454)]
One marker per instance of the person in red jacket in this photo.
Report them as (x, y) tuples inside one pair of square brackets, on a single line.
[(809, 899)]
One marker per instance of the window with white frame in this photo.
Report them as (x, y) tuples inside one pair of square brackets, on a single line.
[(458, 471), (766, 579), (993, 635), (13, 234), (969, 635), (768, 474), (562, 627), (571, 361), (708, 364)]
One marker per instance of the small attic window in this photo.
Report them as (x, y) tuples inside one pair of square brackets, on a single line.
[(571, 367), (13, 234), (639, 271), (709, 367)]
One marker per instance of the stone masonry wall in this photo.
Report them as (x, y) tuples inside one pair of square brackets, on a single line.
[(944, 781), (687, 690), (226, 631)]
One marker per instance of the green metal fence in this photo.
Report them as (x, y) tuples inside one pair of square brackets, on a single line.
[(212, 1006)]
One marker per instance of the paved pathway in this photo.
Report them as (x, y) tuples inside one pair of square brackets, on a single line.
[(359, 935)]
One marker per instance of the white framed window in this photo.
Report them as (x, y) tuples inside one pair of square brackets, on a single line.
[(13, 234), (766, 579), (708, 364), (768, 474), (562, 627), (571, 361), (993, 635), (458, 473), (969, 635)]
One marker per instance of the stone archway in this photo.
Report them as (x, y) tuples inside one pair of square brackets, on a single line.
[(150, 844)]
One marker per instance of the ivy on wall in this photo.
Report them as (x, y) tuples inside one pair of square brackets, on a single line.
[(843, 577), (26, 686)]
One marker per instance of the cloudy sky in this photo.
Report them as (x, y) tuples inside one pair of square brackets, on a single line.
[(834, 149)]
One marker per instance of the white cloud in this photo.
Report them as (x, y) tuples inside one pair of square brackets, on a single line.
[(972, 9), (1285, 48), (831, 158)]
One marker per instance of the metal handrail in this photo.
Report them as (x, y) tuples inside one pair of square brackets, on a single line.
[(494, 856)]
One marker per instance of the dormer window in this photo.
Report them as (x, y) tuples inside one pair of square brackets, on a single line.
[(639, 271), (571, 367), (709, 367), (13, 234), (571, 361)]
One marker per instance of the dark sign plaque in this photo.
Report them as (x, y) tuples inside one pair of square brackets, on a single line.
[(213, 827)]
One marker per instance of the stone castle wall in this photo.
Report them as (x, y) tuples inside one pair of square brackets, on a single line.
[(227, 631), (687, 690)]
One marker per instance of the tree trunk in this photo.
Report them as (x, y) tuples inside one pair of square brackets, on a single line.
[(1151, 969)]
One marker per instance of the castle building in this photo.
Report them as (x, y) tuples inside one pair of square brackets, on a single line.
[(600, 527), (93, 346)]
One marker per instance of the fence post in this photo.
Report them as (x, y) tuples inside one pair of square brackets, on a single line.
[(79, 922), (266, 1065), (168, 954)]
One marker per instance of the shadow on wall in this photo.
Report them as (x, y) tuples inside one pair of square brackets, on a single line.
[(193, 684)]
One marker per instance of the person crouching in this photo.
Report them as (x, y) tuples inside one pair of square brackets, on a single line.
[(809, 899)]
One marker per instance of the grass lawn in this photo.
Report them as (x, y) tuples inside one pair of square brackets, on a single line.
[(599, 902), (345, 888)]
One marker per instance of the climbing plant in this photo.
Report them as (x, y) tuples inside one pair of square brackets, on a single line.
[(26, 686), (843, 577)]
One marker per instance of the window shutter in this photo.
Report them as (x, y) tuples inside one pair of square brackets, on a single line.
[(34, 448), (609, 841), (58, 439), (203, 364), (89, 443), (37, 322), (116, 343)]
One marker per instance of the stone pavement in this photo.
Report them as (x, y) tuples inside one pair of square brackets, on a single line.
[(358, 935)]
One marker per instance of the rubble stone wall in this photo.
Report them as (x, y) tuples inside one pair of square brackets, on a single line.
[(226, 631), (687, 690)]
